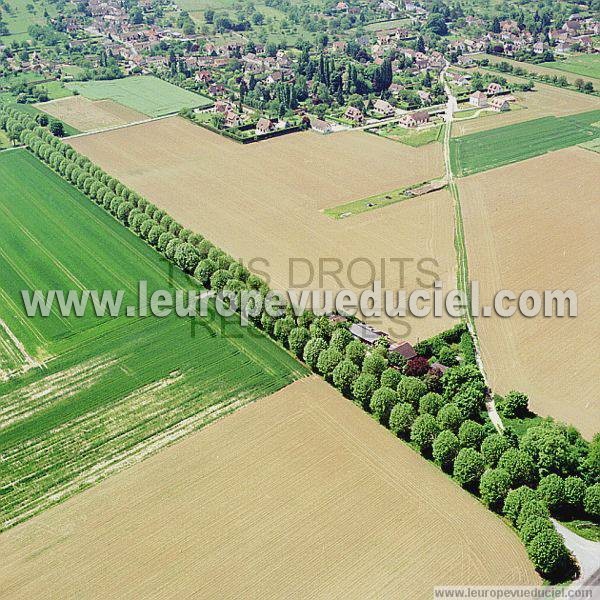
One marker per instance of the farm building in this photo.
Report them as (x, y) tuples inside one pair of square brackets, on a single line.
[(499, 104), (354, 114), (414, 119), (383, 108), (478, 99), (404, 349), (365, 333)]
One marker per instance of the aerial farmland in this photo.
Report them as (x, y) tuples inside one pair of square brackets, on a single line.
[(299, 299)]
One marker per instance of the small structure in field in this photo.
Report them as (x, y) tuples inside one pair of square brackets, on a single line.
[(478, 99), (383, 108), (414, 119), (499, 104), (354, 114)]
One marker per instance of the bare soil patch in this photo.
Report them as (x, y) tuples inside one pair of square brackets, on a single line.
[(266, 200), (90, 115), (300, 494), (535, 225)]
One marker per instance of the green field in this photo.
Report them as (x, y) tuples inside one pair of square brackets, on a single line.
[(79, 396), (411, 137), (505, 145), (586, 65), (4, 141), (56, 90), (593, 145), (149, 95), (19, 19), (356, 207)]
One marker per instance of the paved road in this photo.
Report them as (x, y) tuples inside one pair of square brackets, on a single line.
[(587, 554)]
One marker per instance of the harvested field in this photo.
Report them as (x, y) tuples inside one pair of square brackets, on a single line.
[(545, 101), (266, 200), (535, 225), (108, 391), (146, 94), (300, 494), (486, 150), (88, 115)]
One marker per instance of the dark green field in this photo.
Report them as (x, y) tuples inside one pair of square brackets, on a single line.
[(505, 145), (104, 391)]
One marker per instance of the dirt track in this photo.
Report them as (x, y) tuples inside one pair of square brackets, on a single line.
[(535, 225), (300, 494), (264, 201)]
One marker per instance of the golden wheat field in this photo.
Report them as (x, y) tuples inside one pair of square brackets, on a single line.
[(90, 115), (545, 101), (265, 201), (300, 494), (536, 225)]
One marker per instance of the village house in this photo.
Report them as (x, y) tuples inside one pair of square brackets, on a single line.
[(404, 349), (383, 108), (339, 47), (366, 333), (275, 77), (203, 76), (464, 60), (414, 119), (321, 126), (478, 99), (264, 125), (216, 89), (459, 79), (354, 114), (499, 104), (494, 89), (424, 96), (395, 89)]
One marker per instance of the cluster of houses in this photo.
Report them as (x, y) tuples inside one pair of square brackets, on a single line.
[(493, 98), (576, 32), (371, 337)]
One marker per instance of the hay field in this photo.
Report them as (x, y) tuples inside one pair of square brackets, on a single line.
[(535, 225), (300, 494), (545, 101), (146, 94), (266, 200), (81, 396), (89, 115)]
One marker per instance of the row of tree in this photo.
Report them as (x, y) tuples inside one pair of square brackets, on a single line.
[(549, 470)]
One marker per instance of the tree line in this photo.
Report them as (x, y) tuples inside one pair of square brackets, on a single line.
[(548, 470)]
